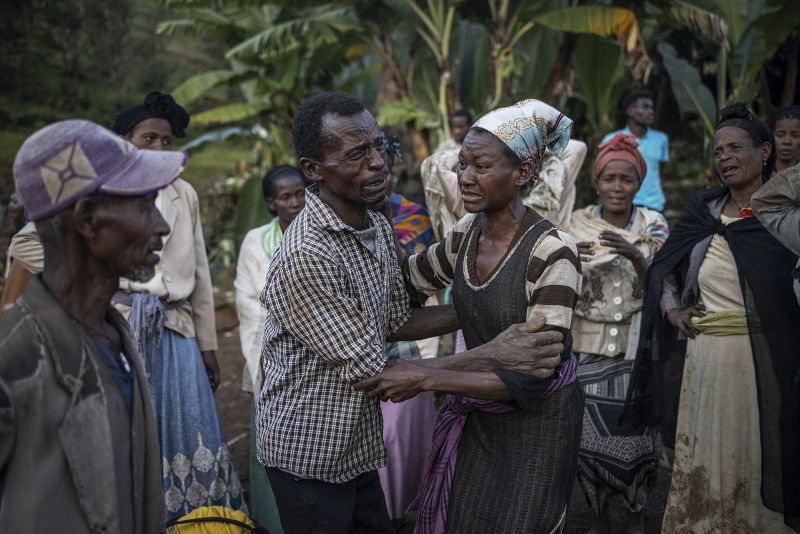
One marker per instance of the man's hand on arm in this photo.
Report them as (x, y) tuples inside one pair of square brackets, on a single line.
[(401, 380), (521, 347)]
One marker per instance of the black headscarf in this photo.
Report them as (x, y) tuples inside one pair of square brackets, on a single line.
[(773, 317), (740, 116), (156, 105)]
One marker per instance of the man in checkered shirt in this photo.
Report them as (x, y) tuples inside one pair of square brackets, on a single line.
[(334, 294)]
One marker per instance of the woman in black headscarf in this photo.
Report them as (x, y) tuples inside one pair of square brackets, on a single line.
[(722, 281)]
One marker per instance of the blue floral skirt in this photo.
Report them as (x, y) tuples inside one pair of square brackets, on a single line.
[(197, 467)]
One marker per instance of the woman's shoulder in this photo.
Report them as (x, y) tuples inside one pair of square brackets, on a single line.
[(464, 223), (555, 241), (651, 217)]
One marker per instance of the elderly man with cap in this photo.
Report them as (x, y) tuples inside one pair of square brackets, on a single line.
[(172, 318), (79, 448)]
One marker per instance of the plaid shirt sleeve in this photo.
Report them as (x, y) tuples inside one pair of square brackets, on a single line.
[(323, 316)]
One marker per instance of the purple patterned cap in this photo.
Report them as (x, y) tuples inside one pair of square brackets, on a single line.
[(69, 160)]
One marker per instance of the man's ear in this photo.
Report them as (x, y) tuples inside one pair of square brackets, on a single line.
[(310, 168), (84, 213)]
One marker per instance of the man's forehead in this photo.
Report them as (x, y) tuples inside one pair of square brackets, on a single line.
[(352, 130)]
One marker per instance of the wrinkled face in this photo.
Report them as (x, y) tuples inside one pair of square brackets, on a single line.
[(353, 168), (127, 236), (787, 140), (488, 178), (617, 184), (458, 128), (288, 197), (737, 160), (152, 134), (642, 112)]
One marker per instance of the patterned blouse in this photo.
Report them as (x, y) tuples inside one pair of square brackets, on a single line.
[(611, 299)]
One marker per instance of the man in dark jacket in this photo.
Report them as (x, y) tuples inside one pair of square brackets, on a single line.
[(79, 449)]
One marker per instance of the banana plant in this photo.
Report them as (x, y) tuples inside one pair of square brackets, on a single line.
[(746, 34), (276, 54), (604, 21)]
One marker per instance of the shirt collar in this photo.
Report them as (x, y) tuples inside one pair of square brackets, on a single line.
[(627, 130), (324, 215)]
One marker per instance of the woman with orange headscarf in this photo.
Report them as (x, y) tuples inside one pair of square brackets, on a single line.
[(616, 241)]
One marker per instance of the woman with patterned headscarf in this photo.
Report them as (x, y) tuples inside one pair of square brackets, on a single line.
[(722, 281), (505, 445), (616, 241)]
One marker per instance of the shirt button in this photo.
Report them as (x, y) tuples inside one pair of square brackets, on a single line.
[(615, 262), (617, 300), (611, 347), (613, 331), (168, 278), (617, 316), (617, 283)]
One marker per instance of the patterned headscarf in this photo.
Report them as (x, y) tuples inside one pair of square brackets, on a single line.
[(622, 147), (528, 128)]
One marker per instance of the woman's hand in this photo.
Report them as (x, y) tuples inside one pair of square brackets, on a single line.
[(400, 380), (619, 245), (585, 250), (682, 319), (212, 367)]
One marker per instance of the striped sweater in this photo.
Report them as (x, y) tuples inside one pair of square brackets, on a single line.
[(553, 278)]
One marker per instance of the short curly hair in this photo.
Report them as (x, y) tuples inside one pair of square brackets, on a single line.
[(307, 123)]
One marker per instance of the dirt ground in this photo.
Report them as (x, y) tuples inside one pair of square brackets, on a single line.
[(234, 410)]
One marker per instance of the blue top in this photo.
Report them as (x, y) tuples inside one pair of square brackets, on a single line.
[(654, 147), (121, 369)]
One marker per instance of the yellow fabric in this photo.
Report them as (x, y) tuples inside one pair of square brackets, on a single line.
[(212, 527), (721, 323)]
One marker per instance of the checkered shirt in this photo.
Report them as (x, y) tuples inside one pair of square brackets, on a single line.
[(330, 305)]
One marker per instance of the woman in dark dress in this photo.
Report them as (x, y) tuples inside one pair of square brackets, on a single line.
[(505, 444)]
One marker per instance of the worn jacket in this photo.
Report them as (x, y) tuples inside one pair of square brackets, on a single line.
[(73, 458), (183, 272), (777, 206)]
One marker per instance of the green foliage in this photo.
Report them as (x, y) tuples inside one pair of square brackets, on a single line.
[(690, 92), (597, 63), (251, 210), (406, 110)]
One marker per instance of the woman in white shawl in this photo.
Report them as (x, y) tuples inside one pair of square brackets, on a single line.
[(617, 241)]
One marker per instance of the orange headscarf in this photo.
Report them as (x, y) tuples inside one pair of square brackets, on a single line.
[(622, 147)]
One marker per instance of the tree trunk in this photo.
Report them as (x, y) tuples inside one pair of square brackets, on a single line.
[(555, 82)]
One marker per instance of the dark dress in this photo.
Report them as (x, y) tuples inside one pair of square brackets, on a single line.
[(515, 470)]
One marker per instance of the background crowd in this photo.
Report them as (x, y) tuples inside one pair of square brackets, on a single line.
[(712, 287)]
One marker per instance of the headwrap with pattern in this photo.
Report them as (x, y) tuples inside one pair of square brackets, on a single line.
[(528, 128)]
